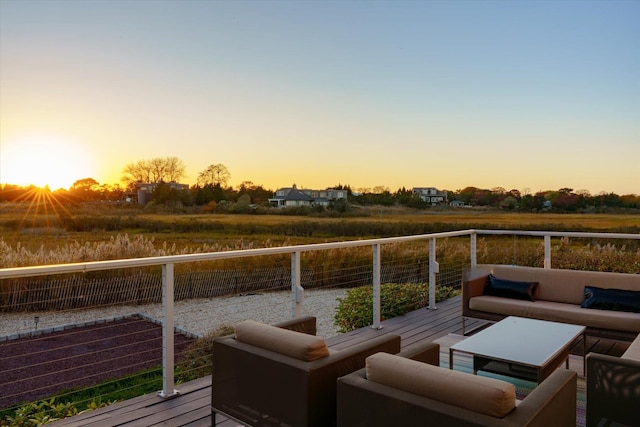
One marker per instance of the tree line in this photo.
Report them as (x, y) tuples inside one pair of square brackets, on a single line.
[(212, 193)]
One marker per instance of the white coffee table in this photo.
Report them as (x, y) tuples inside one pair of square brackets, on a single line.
[(519, 347)]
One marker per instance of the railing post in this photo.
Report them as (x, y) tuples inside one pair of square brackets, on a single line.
[(297, 291), (376, 287), (474, 251), (547, 251), (434, 268), (168, 389)]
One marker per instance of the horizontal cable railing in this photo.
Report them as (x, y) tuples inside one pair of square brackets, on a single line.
[(185, 299)]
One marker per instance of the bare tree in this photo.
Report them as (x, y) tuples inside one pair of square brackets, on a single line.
[(214, 175), (174, 169), (157, 167), (168, 169), (136, 172)]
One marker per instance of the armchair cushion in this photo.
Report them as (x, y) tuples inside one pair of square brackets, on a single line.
[(484, 395), (290, 343)]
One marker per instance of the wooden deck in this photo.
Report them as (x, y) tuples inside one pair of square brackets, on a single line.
[(192, 406)]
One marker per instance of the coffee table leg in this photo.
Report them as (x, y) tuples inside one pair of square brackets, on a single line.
[(450, 358)]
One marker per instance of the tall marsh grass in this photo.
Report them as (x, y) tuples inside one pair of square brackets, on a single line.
[(117, 247), (348, 267), (566, 253)]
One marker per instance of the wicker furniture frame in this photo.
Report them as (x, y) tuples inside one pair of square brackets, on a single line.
[(613, 390)]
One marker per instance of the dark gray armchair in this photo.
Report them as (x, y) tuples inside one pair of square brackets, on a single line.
[(261, 387), (366, 403)]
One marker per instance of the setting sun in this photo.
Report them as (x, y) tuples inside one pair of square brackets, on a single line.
[(44, 162)]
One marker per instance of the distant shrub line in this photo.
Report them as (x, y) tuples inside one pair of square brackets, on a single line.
[(307, 228)]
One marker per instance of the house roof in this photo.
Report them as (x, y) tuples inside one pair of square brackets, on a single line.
[(293, 193)]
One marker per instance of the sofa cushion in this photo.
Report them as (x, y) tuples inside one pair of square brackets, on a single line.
[(611, 299), (290, 343), (484, 395), (510, 288), (558, 312)]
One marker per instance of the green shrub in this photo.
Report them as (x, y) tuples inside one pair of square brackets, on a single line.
[(46, 411), (355, 310)]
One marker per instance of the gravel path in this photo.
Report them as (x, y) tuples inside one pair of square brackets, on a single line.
[(198, 317)]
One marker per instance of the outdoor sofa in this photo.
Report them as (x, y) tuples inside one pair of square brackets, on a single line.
[(396, 390), (601, 301), (283, 374), (608, 304)]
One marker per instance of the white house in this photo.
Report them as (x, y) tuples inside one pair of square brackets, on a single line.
[(431, 195)]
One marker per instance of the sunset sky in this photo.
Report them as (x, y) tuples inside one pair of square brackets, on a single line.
[(535, 95)]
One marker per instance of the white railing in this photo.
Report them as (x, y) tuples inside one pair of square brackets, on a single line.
[(297, 291), (547, 235)]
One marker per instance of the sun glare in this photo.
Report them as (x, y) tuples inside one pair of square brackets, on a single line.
[(43, 162)]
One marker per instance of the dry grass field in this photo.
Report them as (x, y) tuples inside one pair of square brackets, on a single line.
[(462, 216), (49, 227), (454, 216)]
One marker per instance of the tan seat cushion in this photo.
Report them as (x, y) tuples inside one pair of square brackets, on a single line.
[(290, 343), (633, 352), (558, 312), (484, 395)]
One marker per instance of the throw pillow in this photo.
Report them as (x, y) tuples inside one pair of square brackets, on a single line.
[(611, 299), (510, 288)]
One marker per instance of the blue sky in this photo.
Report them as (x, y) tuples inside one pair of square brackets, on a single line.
[(515, 94)]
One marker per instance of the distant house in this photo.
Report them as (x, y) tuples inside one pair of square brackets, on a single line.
[(431, 195), (456, 203), (292, 196), (146, 188)]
